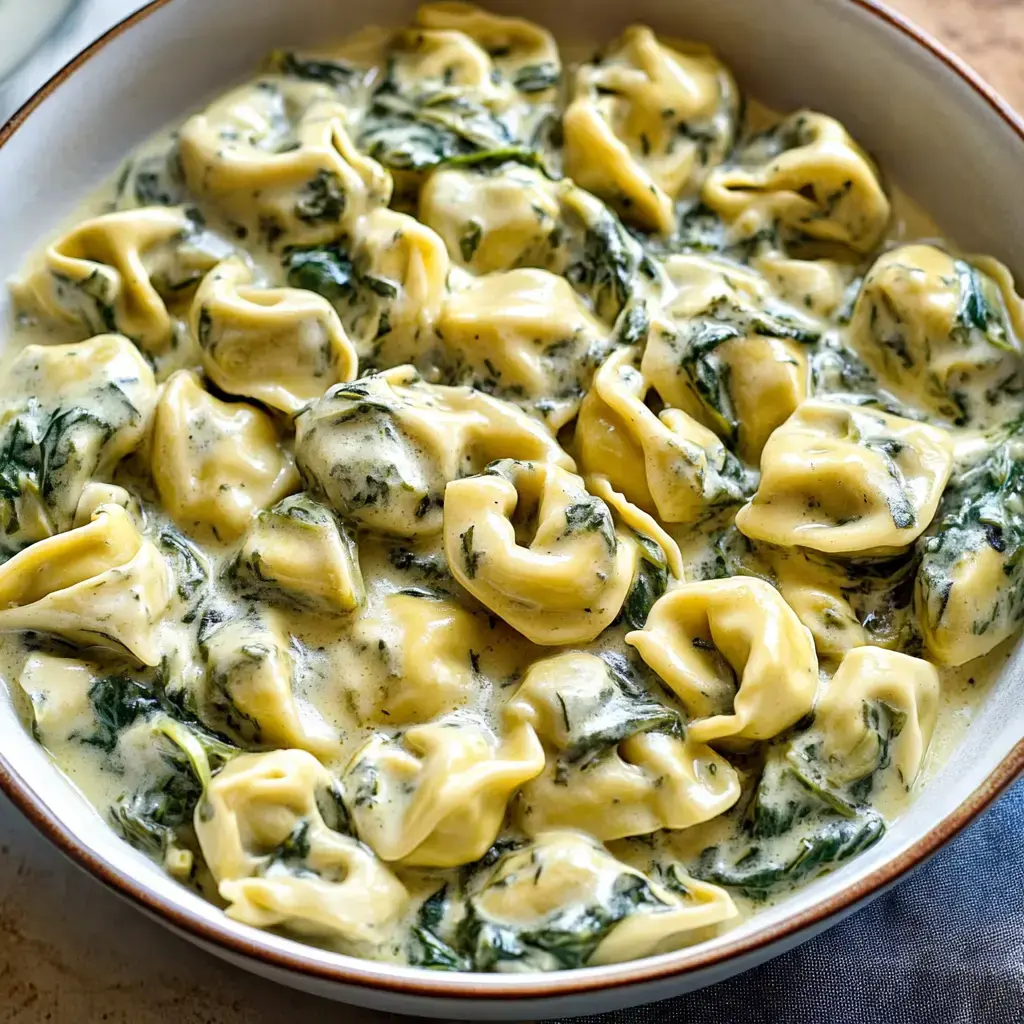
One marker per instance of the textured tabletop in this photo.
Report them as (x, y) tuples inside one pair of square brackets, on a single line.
[(72, 952)]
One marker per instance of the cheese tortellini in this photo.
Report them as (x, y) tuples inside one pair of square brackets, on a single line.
[(58, 692), (647, 121), (492, 222), (476, 510), (381, 450), (277, 862), (807, 175), (511, 217), (439, 655), (119, 272), (297, 553), (528, 541), (735, 360), (847, 480), (283, 347), (968, 594), (215, 463), (668, 464), (404, 267), (524, 336), (460, 82), (944, 332), (437, 798), (251, 680), (70, 414), (617, 764), (102, 585), (539, 892), (275, 158), (878, 711), (735, 654)]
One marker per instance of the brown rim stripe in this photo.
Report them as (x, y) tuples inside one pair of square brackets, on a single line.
[(349, 970)]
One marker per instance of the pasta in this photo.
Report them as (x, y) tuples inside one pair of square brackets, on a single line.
[(485, 512)]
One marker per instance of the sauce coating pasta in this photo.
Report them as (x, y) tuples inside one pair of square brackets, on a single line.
[(490, 514)]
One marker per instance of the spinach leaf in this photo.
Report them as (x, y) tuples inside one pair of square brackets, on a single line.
[(336, 73), (979, 308), (605, 266), (649, 582), (616, 706), (566, 940), (436, 126), (536, 77), (152, 817), (117, 702), (983, 508), (426, 948), (322, 199), (328, 271), (758, 871), (632, 324), (190, 568)]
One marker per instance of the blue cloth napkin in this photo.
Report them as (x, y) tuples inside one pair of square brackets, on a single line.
[(946, 946)]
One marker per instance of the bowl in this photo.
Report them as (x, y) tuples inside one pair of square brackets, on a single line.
[(939, 132), (24, 28)]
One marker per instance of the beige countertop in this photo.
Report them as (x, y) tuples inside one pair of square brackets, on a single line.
[(72, 952)]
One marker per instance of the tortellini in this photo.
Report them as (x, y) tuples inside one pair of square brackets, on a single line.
[(58, 691), (215, 463), (459, 83), (969, 594), (498, 220), (668, 464), (814, 590), (276, 160), (943, 331), (278, 864), (878, 710), (528, 541), (646, 122), (381, 449), (103, 585), (70, 414), (524, 336), (495, 221), (440, 655), (520, 51), (846, 480), (807, 174), (283, 347), (297, 553), (735, 360), (250, 689), (403, 267), (118, 272), (529, 912), (736, 656), (619, 765), (437, 797)]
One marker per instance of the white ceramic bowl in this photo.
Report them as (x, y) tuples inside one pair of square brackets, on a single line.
[(936, 129)]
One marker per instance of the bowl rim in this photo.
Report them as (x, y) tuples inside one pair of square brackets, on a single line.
[(353, 972)]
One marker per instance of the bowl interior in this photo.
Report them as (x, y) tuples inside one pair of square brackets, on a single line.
[(931, 130)]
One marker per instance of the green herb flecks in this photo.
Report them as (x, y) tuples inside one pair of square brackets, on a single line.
[(533, 78), (650, 581)]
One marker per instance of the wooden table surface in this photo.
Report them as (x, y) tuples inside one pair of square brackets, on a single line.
[(71, 952)]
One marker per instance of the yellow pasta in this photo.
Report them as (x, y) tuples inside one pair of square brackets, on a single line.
[(844, 480)]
